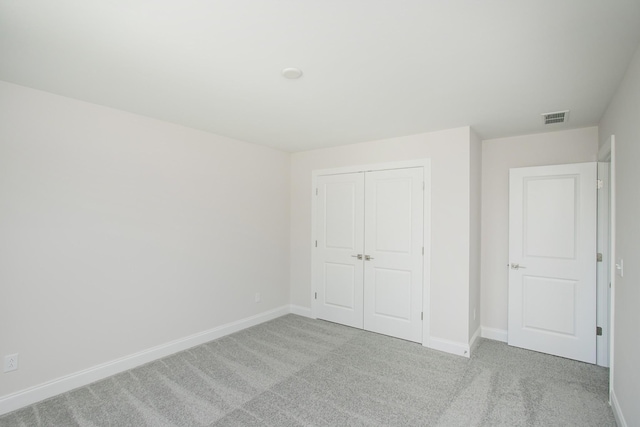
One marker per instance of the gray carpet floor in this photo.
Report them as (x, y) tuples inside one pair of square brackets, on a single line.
[(294, 371)]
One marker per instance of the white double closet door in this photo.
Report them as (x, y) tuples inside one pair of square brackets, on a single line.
[(368, 262)]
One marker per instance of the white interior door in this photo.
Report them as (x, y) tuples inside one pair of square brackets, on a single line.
[(552, 260), (339, 231), (393, 253), (368, 250), (602, 267)]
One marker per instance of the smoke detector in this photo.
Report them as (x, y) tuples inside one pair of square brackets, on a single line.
[(555, 117)]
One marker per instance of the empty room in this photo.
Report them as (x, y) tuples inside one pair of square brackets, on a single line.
[(301, 213)]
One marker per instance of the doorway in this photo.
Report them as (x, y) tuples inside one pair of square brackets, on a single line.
[(368, 262), (552, 259)]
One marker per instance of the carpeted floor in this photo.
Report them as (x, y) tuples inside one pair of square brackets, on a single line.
[(296, 371)]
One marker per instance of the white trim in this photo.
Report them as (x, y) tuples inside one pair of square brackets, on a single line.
[(370, 167), (314, 208), (617, 412), (426, 262), (602, 269), (72, 381), (494, 334), (606, 154), (426, 281), (474, 341), (611, 146), (301, 311), (452, 347)]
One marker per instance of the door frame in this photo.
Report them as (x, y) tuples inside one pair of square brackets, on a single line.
[(426, 260), (585, 346), (603, 273), (607, 153)]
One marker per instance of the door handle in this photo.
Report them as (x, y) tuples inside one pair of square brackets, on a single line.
[(515, 266), (368, 258), (359, 256)]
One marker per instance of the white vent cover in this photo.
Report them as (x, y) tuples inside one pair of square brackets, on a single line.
[(556, 117)]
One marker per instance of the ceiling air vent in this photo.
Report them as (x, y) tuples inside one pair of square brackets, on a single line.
[(557, 117)]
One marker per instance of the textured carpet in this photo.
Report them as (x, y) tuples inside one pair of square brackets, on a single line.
[(296, 371)]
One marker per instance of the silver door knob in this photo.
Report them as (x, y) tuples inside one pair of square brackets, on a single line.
[(368, 258), (359, 256), (515, 266)]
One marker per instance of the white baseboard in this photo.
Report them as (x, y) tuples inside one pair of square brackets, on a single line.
[(453, 347), (301, 311), (617, 412), (494, 334), (52, 388)]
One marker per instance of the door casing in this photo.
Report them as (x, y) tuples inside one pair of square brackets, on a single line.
[(426, 165), (603, 278), (607, 153), (540, 317)]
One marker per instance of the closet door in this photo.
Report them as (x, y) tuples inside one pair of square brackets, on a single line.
[(394, 253), (338, 271)]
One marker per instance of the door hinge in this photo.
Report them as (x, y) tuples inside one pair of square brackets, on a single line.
[(600, 184), (598, 330), (422, 315), (316, 295), (599, 257), (316, 191), (423, 250), (316, 243), (423, 186)]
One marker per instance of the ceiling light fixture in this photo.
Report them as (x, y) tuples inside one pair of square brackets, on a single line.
[(292, 73)]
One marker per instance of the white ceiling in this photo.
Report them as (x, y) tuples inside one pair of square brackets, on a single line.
[(373, 69)]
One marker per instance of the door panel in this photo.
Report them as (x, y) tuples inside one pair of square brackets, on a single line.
[(549, 305), (550, 216), (602, 267), (340, 227), (392, 282), (393, 241), (552, 256), (392, 210), (340, 215), (339, 285)]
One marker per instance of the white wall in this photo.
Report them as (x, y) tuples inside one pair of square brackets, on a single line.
[(475, 176), (449, 152), (622, 119), (498, 155), (119, 233)]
